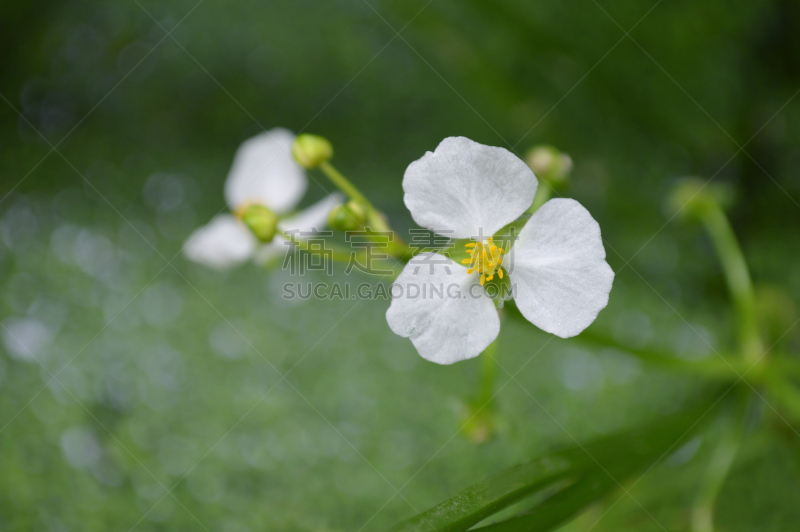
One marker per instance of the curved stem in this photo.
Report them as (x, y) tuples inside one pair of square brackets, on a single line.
[(543, 193), (711, 368), (718, 469), (343, 183), (738, 279), (375, 219)]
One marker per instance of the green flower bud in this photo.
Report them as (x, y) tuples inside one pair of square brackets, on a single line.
[(348, 217), (311, 150), (693, 197), (261, 221), (549, 164)]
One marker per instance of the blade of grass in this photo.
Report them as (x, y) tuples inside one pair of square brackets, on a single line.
[(616, 459), (488, 497), (576, 477)]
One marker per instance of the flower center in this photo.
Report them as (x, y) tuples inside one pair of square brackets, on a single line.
[(486, 258)]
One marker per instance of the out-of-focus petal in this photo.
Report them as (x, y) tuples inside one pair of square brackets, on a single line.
[(221, 244), (264, 172)]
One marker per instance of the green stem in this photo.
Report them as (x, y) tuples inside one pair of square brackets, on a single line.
[(375, 219), (787, 396), (341, 256), (488, 373), (712, 367), (719, 467), (480, 425), (543, 194), (738, 279), (784, 365), (344, 184)]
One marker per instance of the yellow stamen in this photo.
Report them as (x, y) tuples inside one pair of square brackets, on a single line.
[(485, 258), (239, 212)]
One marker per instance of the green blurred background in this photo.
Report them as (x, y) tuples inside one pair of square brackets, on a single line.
[(153, 382)]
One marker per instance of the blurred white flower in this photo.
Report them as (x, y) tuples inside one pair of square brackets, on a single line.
[(263, 173), (558, 273)]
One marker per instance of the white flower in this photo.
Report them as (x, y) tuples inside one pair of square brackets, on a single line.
[(558, 273), (263, 173)]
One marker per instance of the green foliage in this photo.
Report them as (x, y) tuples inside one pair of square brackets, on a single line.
[(567, 481), (156, 389)]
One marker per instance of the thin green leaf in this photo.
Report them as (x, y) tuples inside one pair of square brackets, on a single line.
[(573, 479), (617, 459), (488, 497)]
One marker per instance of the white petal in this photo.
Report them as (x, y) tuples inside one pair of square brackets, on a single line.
[(266, 252), (264, 172), (223, 243), (467, 190), (308, 221), (314, 217), (451, 318), (559, 275)]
